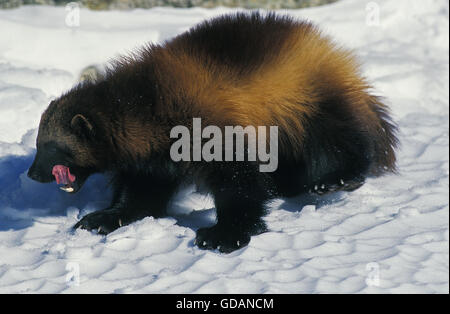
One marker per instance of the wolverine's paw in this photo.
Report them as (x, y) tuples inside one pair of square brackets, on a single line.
[(215, 238), (342, 185), (103, 221)]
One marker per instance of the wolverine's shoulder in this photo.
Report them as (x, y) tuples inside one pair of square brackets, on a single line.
[(242, 40)]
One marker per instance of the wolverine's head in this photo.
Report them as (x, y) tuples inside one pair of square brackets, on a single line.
[(66, 146)]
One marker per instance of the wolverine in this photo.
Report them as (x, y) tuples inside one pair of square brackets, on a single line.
[(240, 69)]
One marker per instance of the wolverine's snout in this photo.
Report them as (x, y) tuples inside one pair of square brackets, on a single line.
[(38, 173), (32, 173)]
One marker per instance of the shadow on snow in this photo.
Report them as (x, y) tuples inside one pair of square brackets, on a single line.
[(22, 200)]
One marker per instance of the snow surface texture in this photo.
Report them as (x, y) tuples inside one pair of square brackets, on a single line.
[(390, 236)]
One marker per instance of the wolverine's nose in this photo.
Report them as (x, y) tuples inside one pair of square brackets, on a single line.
[(33, 175)]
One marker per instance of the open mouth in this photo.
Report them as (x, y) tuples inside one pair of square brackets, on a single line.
[(63, 176)]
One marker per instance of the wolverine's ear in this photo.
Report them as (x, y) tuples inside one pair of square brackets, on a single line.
[(81, 125)]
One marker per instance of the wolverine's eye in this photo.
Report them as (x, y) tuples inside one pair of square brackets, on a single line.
[(54, 148), (50, 147)]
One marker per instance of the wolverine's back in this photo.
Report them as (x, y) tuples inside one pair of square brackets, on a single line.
[(255, 69)]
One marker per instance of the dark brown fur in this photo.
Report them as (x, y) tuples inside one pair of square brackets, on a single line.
[(240, 69)]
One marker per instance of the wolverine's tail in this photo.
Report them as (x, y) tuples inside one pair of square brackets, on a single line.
[(385, 139)]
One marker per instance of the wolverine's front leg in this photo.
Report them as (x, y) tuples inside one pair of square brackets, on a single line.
[(135, 197), (240, 192)]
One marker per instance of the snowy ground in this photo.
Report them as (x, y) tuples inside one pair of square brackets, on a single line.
[(390, 236)]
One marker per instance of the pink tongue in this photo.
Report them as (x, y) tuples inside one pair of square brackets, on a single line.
[(62, 175)]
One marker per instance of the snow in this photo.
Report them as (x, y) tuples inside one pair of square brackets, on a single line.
[(390, 236)]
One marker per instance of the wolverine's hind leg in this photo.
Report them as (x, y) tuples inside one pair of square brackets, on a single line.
[(341, 185), (293, 178), (135, 197)]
